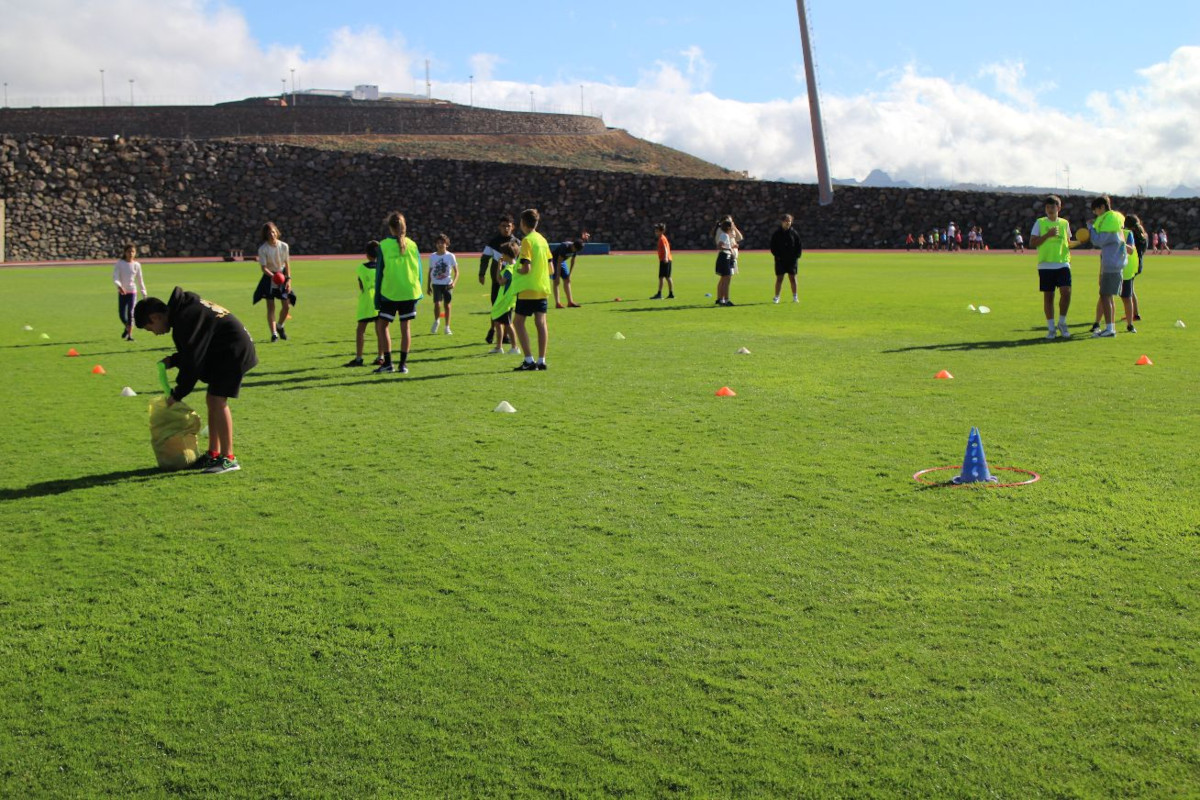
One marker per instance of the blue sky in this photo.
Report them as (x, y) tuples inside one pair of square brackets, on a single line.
[(931, 92)]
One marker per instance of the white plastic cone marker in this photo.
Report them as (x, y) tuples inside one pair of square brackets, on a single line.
[(128, 392), (970, 306), (45, 336), (743, 351), (618, 335), (27, 328), (1179, 324), (984, 310), (504, 408)]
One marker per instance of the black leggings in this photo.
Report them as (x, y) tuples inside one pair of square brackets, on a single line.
[(125, 308)]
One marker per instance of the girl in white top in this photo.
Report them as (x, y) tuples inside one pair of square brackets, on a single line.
[(127, 275), (726, 237), (443, 275), (272, 258)]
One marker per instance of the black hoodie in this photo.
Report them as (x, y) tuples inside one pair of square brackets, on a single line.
[(210, 342)]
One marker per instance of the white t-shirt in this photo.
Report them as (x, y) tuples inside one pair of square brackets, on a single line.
[(273, 256), (127, 276), (441, 268), (725, 241)]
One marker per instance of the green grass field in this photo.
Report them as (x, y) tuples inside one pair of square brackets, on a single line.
[(630, 586)]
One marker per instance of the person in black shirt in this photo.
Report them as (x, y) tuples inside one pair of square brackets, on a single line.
[(211, 345), (785, 246), (489, 263)]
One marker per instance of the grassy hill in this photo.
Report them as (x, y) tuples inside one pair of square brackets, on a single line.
[(612, 151)]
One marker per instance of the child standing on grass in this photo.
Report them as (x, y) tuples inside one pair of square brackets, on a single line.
[(127, 275), (489, 262), (664, 263), (1107, 233), (726, 237), (366, 305), (502, 309), (274, 256), (562, 259), (786, 248), (211, 345), (1050, 236), (443, 275), (531, 285), (1134, 224), (397, 290)]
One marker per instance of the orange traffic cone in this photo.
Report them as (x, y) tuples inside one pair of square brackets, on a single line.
[(1144, 361), (98, 370), (943, 375), (72, 353), (725, 391)]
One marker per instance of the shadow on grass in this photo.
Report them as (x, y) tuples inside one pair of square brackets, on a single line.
[(369, 379), (50, 343), (48, 488), (996, 344)]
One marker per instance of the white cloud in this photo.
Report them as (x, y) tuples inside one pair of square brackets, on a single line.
[(918, 128)]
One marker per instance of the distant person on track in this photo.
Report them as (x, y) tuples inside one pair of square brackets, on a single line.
[(489, 263), (787, 249), (127, 275), (1163, 247), (1050, 236), (664, 262)]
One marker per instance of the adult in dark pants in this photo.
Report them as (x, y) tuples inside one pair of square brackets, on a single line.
[(489, 263), (785, 246)]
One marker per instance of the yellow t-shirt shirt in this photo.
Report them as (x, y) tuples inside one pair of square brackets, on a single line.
[(535, 284)]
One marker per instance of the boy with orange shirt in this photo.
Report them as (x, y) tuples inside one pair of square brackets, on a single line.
[(664, 263)]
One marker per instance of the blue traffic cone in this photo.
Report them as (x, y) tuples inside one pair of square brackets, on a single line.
[(974, 466)]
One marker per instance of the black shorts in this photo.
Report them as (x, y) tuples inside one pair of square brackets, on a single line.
[(397, 309), (664, 269), (786, 269), (724, 264), (369, 319), (1051, 279), (277, 292), (226, 384), (527, 308), (503, 319), (1127, 287), (441, 293)]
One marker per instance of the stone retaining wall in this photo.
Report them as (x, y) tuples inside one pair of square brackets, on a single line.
[(70, 197)]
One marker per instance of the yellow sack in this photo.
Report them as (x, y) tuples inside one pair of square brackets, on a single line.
[(173, 432)]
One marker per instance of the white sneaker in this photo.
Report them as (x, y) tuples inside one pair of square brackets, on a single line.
[(448, 331), (495, 351), (1063, 332), (1050, 336), (516, 351), (775, 301), (795, 298), (435, 327)]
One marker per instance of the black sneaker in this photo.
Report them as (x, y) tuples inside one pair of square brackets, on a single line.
[(274, 336), (729, 304), (671, 296), (205, 461), (222, 464), (1095, 327), (526, 366), (656, 296), (1137, 317), (402, 369), (282, 333), (541, 366), (1130, 329), (354, 362), (383, 368)]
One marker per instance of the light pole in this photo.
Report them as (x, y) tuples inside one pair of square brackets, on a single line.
[(102, 97), (293, 69), (6, 94), (1067, 170), (472, 80), (824, 182), (283, 88), (131, 92), (581, 112), (531, 100)]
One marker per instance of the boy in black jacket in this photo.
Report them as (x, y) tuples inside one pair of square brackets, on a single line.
[(785, 246), (212, 346)]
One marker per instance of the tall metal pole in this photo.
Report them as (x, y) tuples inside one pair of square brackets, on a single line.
[(103, 99), (472, 79), (293, 70), (824, 183), (131, 92)]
